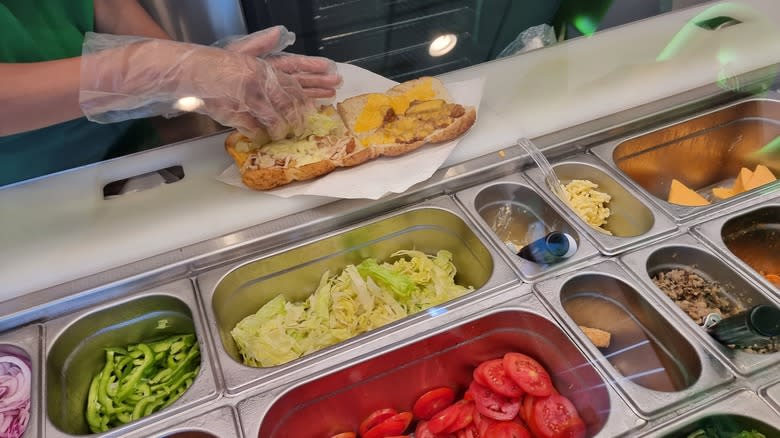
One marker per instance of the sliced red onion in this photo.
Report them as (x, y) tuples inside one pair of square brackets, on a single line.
[(14, 396)]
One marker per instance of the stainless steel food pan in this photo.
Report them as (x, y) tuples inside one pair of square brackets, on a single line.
[(216, 423), (74, 346), (749, 238), (25, 342), (633, 221), (742, 410), (531, 217), (446, 356), (754, 238), (233, 292), (772, 393), (703, 151), (651, 361), (687, 252)]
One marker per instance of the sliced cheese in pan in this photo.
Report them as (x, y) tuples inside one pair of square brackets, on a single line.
[(761, 176), (680, 194)]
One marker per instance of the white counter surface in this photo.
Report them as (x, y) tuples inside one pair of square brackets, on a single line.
[(60, 228)]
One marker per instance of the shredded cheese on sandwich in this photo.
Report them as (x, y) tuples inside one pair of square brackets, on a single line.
[(298, 151)]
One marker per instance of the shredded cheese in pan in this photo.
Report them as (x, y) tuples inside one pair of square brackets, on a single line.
[(589, 203)]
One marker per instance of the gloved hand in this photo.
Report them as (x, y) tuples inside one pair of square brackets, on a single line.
[(132, 77), (318, 76)]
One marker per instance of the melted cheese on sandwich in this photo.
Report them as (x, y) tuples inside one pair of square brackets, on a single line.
[(303, 152), (284, 153), (376, 106), (320, 124), (421, 119)]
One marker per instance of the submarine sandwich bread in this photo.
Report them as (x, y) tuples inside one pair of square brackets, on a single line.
[(359, 129), (322, 147)]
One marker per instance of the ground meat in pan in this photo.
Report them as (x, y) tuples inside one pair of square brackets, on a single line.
[(698, 297), (694, 295)]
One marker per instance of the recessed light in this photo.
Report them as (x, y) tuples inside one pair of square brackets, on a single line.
[(443, 44)]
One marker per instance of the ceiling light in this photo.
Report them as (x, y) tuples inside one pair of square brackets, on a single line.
[(443, 44)]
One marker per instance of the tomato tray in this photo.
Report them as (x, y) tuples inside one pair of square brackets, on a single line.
[(340, 400)]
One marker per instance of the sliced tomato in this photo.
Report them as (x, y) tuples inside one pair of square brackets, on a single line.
[(422, 431), (345, 435), (448, 419), (491, 374), (432, 402), (470, 431), (556, 417), (493, 405), (527, 409), (464, 418), (483, 423), (507, 429), (520, 421), (529, 374), (394, 425), (444, 419), (375, 418), (478, 377)]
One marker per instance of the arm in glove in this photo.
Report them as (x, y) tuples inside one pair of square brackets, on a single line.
[(130, 77), (318, 76)]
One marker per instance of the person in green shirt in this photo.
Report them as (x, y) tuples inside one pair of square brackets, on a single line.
[(61, 60)]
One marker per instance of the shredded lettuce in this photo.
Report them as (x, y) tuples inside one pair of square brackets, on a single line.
[(401, 285), (359, 299)]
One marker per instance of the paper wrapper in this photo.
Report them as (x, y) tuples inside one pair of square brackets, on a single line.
[(376, 178)]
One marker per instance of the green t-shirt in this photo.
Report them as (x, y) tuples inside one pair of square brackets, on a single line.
[(35, 31), (41, 31)]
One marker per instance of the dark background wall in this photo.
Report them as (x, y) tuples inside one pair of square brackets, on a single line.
[(391, 37)]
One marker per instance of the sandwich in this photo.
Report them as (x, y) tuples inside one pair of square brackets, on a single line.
[(356, 130)]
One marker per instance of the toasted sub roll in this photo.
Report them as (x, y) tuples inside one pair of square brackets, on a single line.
[(364, 127), (324, 147), (408, 116)]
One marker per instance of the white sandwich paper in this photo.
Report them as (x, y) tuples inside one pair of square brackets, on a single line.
[(379, 177)]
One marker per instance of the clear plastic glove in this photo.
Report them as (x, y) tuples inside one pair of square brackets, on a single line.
[(126, 77), (260, 43), (318, 76)]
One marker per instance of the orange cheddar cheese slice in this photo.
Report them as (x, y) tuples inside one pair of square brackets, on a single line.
[(762, 175), (680, 194), (722, 192), (377, 105), (742, 181)]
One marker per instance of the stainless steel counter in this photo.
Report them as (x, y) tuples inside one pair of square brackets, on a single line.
[(557, 96), (663, 373)]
